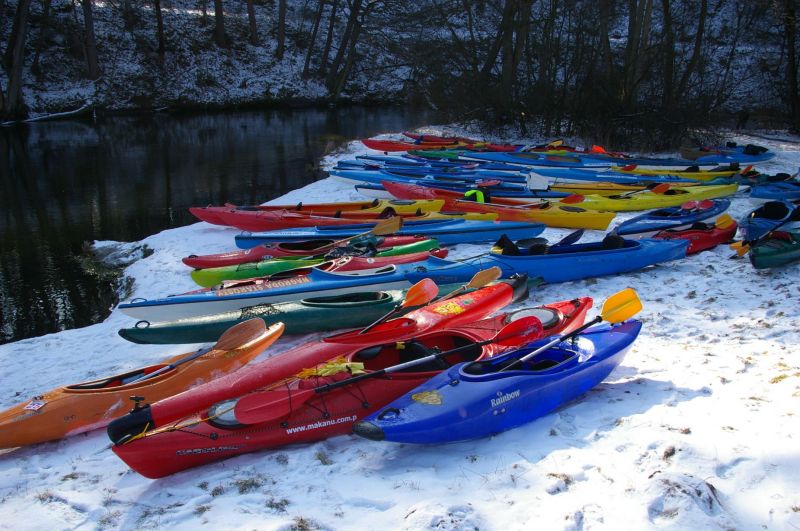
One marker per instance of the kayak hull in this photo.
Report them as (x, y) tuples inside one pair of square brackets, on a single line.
[(670, 218), (780, 249), (79, 408), (474, 400), (699, 238)]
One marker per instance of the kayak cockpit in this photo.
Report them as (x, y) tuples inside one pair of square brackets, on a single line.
[(118, 380), (381, 356), (551, 360)]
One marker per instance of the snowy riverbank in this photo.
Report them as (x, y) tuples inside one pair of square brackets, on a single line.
[(695, 429)]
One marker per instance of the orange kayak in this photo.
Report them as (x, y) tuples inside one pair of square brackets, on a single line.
[(82, 407)]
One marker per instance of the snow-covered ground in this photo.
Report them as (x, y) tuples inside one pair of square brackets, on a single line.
[(696, 429)]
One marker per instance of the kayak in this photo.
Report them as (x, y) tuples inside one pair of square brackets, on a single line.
[(478, 399), (729, 153), (570, 160), (788, 191), (577, 175), (701, 236), (189, 442), (562, 264), (435, 316), (551, 214), (301, 249), (778, 249), (85, 406), (673, 217), (210, 214), (648, 200), (305, 316), (277, 220), (768, 217), (446, 231), (287, 268), (692, 172), (605, 189), (514, 194), (397, 145)]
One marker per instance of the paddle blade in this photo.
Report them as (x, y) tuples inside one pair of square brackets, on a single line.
[(481, 278), (705, 204), (420, 293), (629, 167), (269, 406), (519, 332), (724, 221), (489, 182), (570, 238), (241, 334), (660, 188), (555, 143), (387, 226), (621, 306), (573, 198), (741, 248), (689, 205)]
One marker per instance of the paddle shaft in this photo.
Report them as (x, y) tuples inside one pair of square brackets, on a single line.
[(171, 365), (399, 367), (552, 343)]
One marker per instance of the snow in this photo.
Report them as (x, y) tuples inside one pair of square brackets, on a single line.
[(694, 430)]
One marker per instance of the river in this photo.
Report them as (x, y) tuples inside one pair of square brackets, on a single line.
[(123, 178)]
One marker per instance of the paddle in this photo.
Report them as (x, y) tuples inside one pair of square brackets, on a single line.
[(619, 307), (420, 293), (724, 221), (478, 280), (656, 188), (689, 205), (233, 338), (382, 228), (268, 406), (743, 247)]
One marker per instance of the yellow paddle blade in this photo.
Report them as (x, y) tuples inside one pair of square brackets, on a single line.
[(741, 248), (555, 143), (481, 278), (420, 293), (387, 226), (621, 306), (724, 222)]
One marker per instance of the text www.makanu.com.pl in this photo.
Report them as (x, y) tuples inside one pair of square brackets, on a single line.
[(321, 424)]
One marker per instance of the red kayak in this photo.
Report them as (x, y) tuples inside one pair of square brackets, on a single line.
[(437, 315), (397, 145), (441, 139), (268, 251), (215, 432), (701, 236), (260, 221), (211, 214)]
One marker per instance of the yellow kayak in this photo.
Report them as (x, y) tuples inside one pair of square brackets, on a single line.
[(648, 200), (602, 188), (701, 175)]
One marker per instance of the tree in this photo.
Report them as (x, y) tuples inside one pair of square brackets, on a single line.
[(281, 29), (251, 20), (790, 32), (159, 28), (326, 51), (90, 43), (13, 105), (312, 40), (219, 25)]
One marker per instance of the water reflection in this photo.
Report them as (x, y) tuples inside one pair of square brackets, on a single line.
[(123, 178)]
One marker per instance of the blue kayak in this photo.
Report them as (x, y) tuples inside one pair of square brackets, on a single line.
[(378, 191), (477, 399), (447, 231), (788, 190), (559, 263), (768, 217), (460, 178), (562, 263), (672, 217)]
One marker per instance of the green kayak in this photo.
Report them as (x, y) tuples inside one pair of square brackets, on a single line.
[(321, 314), (781, 248), (215, 275), (300, 317)]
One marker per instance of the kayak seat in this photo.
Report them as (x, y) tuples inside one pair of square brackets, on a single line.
[(549, 318), (775, 210), (538, 249), (507, 247), (306, 245), (613, 241), (699, 225), (414, 350)]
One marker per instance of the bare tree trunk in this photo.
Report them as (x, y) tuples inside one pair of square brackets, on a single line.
[(251, 20), (352, 19), (605, 43), (505, 25), (668, 56), (313, 39), (696, 53), (13, 105), (281, 29), (92, 68), (341, 77), (790, 29), (219, 25), (326, 52), (159, 28), (43, 31)]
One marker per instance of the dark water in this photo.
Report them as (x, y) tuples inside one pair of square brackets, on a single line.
[(124, 178)]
